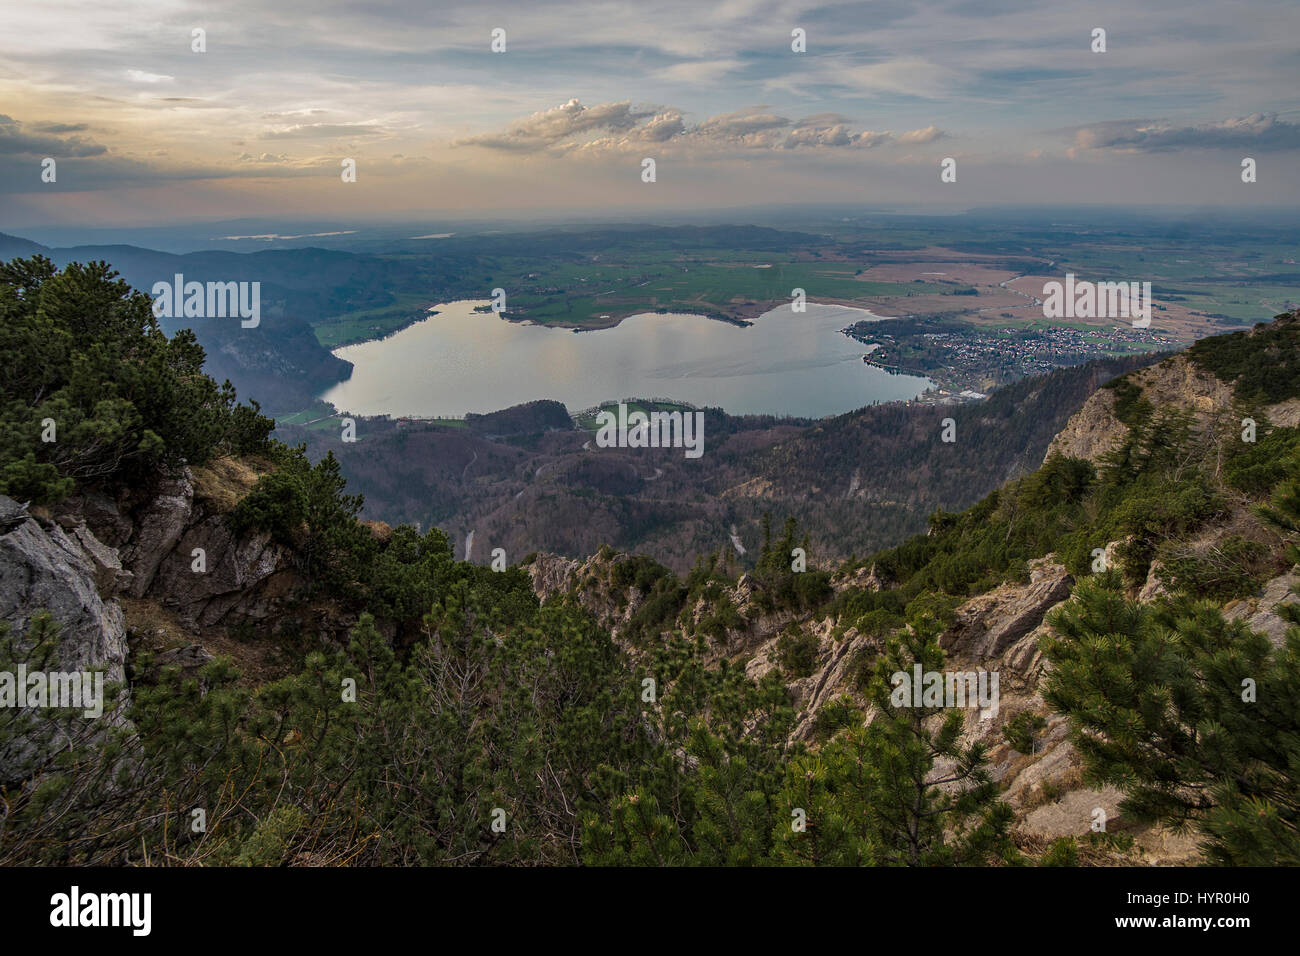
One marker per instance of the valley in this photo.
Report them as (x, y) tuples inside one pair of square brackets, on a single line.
[(855, 481)]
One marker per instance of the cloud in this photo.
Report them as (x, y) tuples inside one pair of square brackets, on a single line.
[(325, 131), (662, 127), (60, 128), (837, 135), (911, 76), (557, 127), (46, 140), (571, 127), (696, 72), (191, 102), (140, 76), (918, 137), (740, 123), (291, 114), (1260, 131), (871, 139)]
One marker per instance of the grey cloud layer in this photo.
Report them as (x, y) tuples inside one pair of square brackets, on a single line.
[(1259, 131), (45, 139)]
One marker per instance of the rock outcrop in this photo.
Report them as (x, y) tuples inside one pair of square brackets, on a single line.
[(166, 547), (173, 546), (244, 578), (552, 574), (1176, 383), (1092, 432), (989, 624), (1260, 612), (43, 568), (157, 530), (587, 582), (73, 578), (832, 679)]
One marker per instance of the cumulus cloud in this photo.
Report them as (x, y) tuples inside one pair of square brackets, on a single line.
[(869, 139), (612, 126), (662, 127), (919, 137), (1256, 131), (837, 135), (557, 127), (741, 123)]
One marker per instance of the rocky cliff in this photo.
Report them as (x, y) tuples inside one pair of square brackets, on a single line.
[(73, 576), (154, 569), (998, 631), (1178, 384), (177, 550)]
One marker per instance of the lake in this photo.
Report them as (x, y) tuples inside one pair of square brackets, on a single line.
[(461, 361)]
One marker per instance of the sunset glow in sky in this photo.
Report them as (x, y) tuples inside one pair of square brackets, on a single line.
[(145, 130)]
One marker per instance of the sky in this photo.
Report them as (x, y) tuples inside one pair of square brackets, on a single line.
[(144, 129)]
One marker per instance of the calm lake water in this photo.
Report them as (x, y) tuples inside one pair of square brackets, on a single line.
[(461, 361)]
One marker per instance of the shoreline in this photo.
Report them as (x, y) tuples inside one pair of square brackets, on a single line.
[(615, 321), (743, 317), (825, 319)]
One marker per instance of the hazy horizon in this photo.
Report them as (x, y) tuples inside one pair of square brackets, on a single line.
[(251, 234)]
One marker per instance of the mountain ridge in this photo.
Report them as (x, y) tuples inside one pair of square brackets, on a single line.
[(1124, 601)]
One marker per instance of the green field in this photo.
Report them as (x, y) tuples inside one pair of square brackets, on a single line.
[(320, 417), (592, 278), (1245, 302), (370, 324), (323, 417), (598, 296)]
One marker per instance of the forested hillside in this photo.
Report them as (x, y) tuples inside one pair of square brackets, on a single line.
[(855, 482)]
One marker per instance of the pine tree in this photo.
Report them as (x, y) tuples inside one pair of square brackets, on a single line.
[(929, 799), (1195, 717)]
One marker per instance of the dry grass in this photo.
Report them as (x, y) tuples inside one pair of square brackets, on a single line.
[(222, 482), (260, 660), (152, 627), (1053, 789)]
